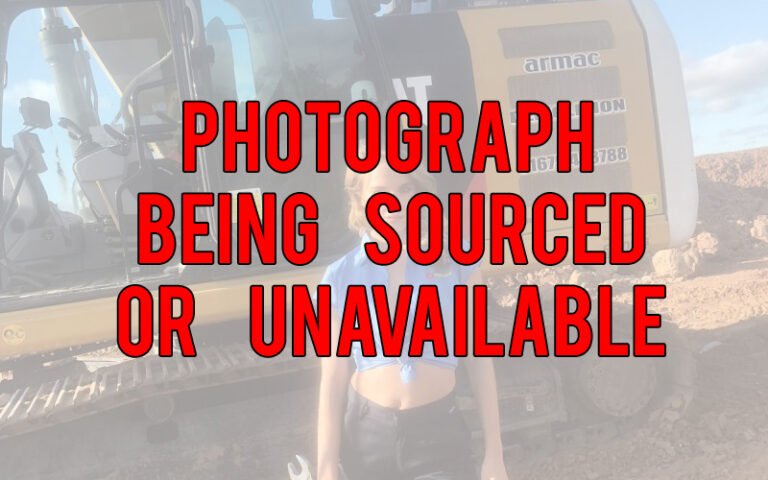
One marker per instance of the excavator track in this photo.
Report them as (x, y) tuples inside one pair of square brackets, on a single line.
[(227, 399), (69, 398)]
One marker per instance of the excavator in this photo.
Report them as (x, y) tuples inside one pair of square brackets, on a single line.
[(91, 117)]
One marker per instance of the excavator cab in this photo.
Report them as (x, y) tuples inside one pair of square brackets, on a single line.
[(69, 195), (117, 72)]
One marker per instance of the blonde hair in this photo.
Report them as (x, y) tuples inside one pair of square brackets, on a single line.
[(355, 183)]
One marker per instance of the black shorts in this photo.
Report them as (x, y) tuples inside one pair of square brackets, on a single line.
[(430, 442)]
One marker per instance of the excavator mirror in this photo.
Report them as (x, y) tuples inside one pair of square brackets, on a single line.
[(36, 113)]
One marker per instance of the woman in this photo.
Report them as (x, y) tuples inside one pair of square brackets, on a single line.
[(400, 419)]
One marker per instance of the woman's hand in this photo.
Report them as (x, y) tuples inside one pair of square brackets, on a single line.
[(335, 373), (328, 474), (493, 467), (483, 380)]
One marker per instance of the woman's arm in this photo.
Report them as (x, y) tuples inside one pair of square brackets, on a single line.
[(334, 381), (482, 378)]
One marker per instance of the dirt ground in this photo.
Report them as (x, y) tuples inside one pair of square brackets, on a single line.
[(717, 295), (721, 305)]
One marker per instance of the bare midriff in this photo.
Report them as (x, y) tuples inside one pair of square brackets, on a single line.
[(384, 386)]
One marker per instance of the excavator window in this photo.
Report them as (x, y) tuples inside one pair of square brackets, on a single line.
[(106, 73), (270, 50)]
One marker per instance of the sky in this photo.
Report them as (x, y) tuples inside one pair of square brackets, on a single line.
[(35, 80), (724, 49)]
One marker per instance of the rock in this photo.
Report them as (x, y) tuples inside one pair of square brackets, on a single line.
[(675, 263), (670, 416), (759, 230), (683, 262), (583, 277), (705, 243)]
